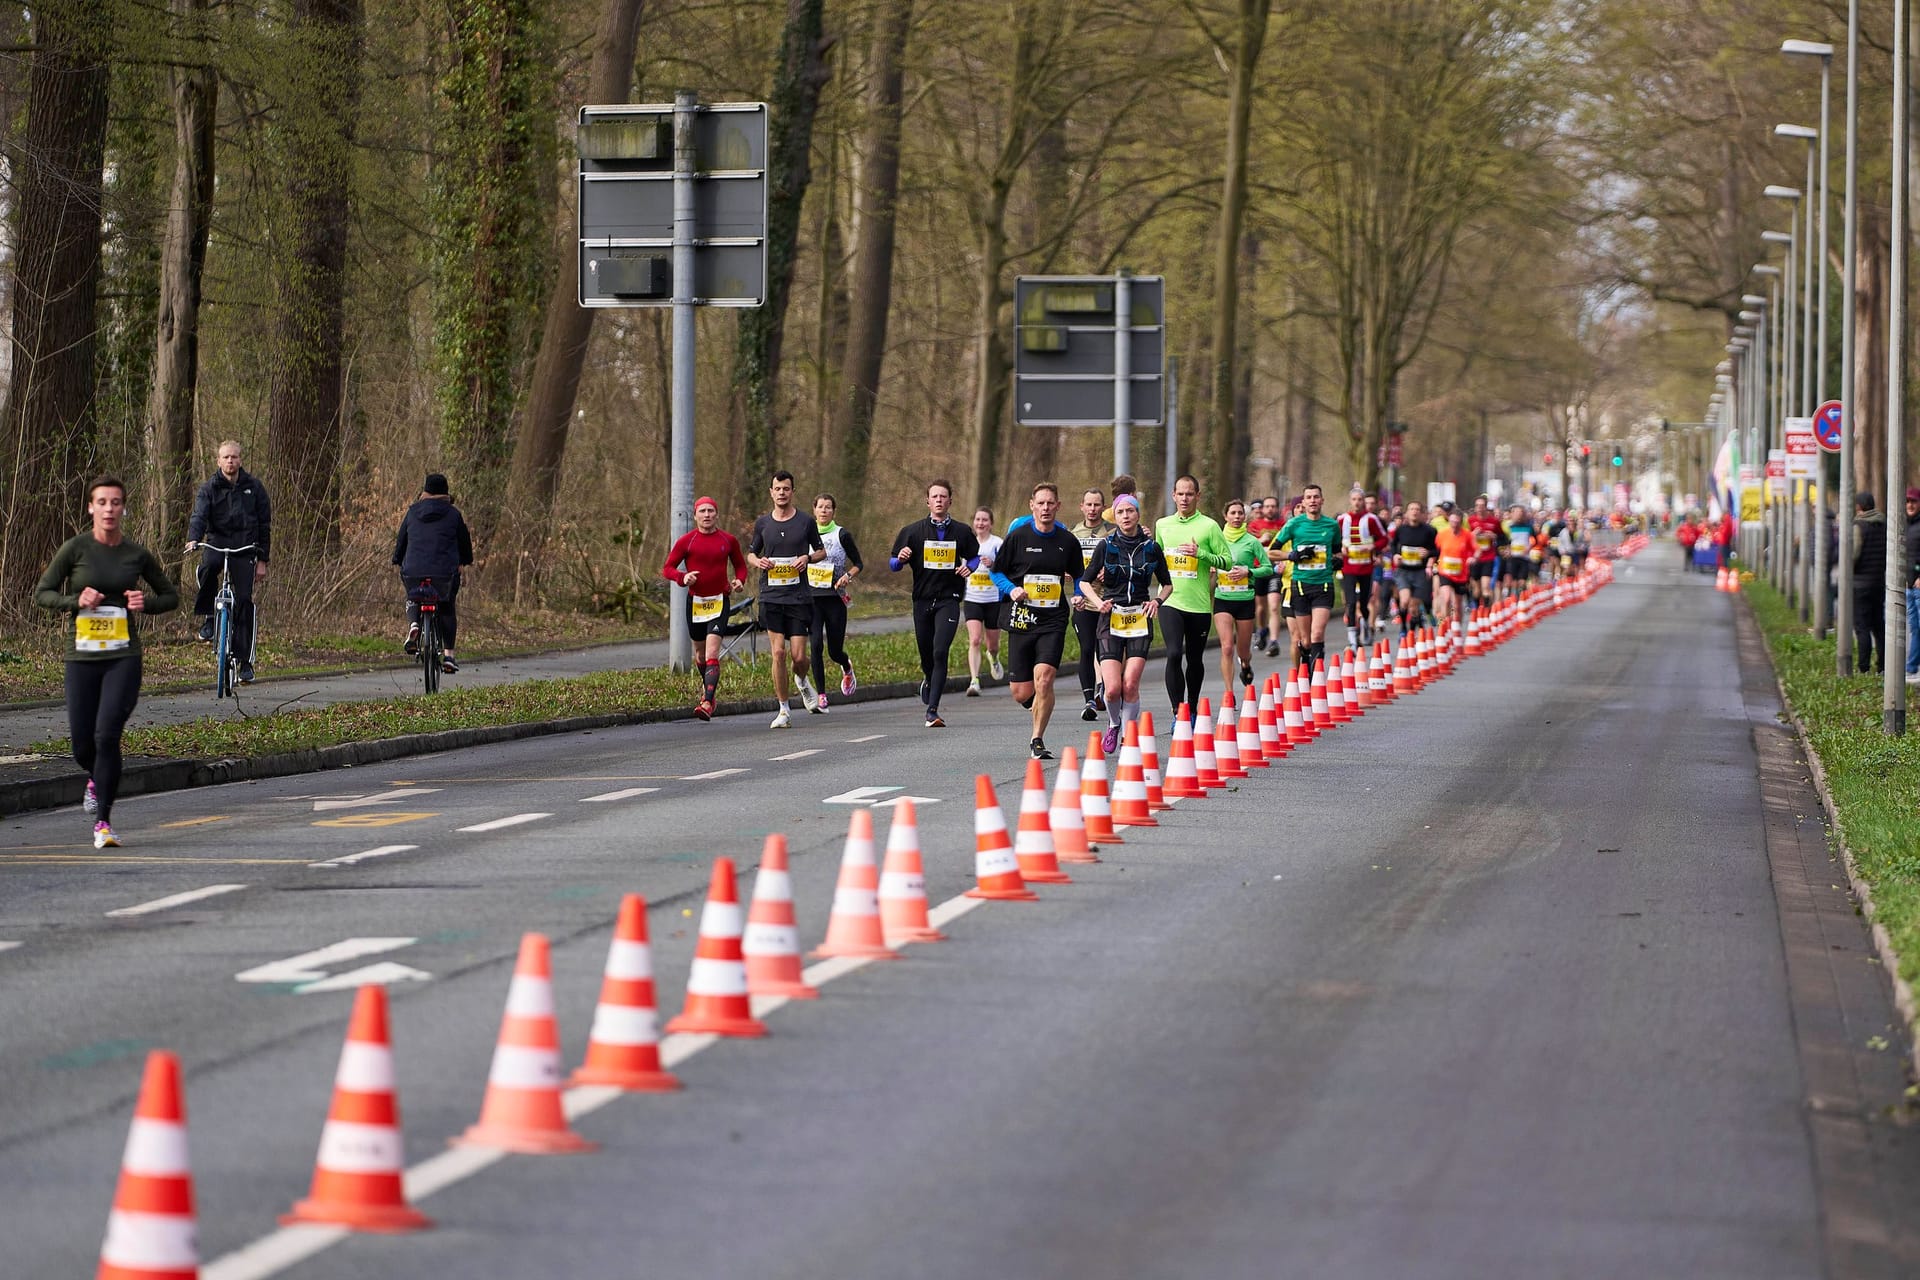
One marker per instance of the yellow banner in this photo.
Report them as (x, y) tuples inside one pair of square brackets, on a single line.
[(1750, 500)]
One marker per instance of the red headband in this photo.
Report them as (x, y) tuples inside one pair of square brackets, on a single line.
[(706, 502)]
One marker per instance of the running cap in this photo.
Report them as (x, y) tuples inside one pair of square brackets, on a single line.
[(705, 502), (1126, 500), (435, 483)]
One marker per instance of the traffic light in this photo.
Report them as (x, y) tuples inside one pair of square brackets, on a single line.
[(1546, 459), (1618, 460), (1586, 451)]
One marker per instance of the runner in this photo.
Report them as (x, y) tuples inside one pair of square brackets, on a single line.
[(1234, 597), (1315, 549), (1093, 526), (1363, 535), (708, 562), (1192, 545), (1414, 544), (95, 578), (1118, 581), (942, 553), (1518, 568), (1453, 548), (1488, 537), (1266, 522), (1037, 562), (783, 541), (981, 609), (1547, 542), (831, 580)]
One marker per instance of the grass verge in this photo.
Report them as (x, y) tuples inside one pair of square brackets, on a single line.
[(1874, 780)]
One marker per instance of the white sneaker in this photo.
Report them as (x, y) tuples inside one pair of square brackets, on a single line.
[(999, 672), (973, 687), (804, 694), (780, 720), (1913, 677)]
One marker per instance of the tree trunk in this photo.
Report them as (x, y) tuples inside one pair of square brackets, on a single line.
[(991, 366), (542, 443), (48, 424), (304, 426), (802, 73), (183, 260), (850, 437), (1229, 462)]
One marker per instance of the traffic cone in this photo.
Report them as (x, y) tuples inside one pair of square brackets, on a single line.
[(1336, 695), (1403, 668), (1272, 744), (521, 1111), (1380, 675), (150, 1232), (623, 1049), (1033, 839), (771, 943), (1150, 765), (853, 928), (1471, 647), (1226, 741), (1251, 756), (356, 1180), (1292, 716), (1206, 762), (1130, 785), (903, 883), (717, 999), (1069, 825), (994, 866), (1183, 777), (1096, 807), (1317, 697), (1422, 660)]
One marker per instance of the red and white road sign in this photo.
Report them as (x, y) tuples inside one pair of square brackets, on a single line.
[(1826, 425)]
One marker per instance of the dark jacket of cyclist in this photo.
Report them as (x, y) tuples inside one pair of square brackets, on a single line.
[(433, 543), (231, 513)]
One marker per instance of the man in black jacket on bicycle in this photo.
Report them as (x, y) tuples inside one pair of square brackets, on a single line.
[(231, 510), (432, 545)]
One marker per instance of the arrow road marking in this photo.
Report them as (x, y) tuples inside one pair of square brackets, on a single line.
[(385, 973), (898, 800), (859, 795), (177, 900), (364, 855), (379, 797), (310, 967), (8, 946)]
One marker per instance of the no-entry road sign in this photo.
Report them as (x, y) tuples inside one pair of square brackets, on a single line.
[(1826, 425)]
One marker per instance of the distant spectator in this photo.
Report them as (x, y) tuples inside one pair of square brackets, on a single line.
[(1912, 542), (1869, 583), (1686, 535)]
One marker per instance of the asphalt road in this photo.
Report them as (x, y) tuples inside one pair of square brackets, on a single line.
[(1488, 983)]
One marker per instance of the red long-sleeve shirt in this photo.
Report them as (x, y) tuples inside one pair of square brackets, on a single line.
[(707, 554)]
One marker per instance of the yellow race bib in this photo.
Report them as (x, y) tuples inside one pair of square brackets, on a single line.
[(101, 629), (707, 608), (1043, 590), (980, 580), (1128, 623), (820, 574), (1359, 554), (784, 573), (1412, 557), (1452, 566), (940, 555), (1181, 566)]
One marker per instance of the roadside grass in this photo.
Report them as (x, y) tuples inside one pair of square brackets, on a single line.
[(1874, 779), (878, 659)]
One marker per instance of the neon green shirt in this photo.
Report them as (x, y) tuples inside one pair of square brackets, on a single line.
[(1192, 584), (1302, 531), (1243, 549)]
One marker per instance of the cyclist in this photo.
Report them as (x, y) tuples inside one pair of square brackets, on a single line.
[(1315, 550), (942, 553), (231, 510), (783, 542), (708, 562), (1038, 571), (1453, 553), (1118, 584), (1235, 595), (980, 607), (1363, 535), (830, 580), (432, 545), (95, 577), (1193, 545), (1414, 545), (1092, 527)]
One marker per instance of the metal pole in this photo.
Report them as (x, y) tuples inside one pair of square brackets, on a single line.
[(1843, 491), (1893, 686), (1789, 373), (1817, 514), (1172, 470), (680, 513), (1123, 373)]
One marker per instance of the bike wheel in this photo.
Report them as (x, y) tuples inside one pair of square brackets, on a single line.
[(222, 654), (430, 652)]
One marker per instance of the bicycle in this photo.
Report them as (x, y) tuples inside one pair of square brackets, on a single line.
[(431, 652), (225, 664)]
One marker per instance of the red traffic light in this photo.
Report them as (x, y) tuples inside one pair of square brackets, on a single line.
[(1546, 459), (1586, 451)]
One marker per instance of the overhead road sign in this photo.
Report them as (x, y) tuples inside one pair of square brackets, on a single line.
[(1078, 340)]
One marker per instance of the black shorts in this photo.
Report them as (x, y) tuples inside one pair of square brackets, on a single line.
[(1519, 568), (1479, 569), (699, 630), (1458, 584), (1270, 585), (1304, 597), (1238, 610), (991, 612), (1418, 581), (781, 618), (1112, 648), (1039, 647)]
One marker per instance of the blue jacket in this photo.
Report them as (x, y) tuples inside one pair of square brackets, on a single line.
[(433, 541)]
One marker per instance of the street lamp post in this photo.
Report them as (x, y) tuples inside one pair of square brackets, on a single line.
[(1817, 586), (1849, 221), (1804, 403), (1893, 687)]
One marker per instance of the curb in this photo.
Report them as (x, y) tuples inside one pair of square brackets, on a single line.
[(1903, 997)]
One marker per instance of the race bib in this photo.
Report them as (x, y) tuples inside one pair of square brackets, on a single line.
[(1412, 557), (101, 629), (980, 580), (784, 573), (1316, 555), (940, 555), (1452, 566), (1483, 538), (1180, 566), (1535, 555), (1128, 624), (820, 574), (1043, 590), (1359, 555), (707, 608)]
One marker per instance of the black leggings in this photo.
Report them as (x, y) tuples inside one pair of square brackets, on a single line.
[(934, 624), (1186, 637), (1085, 623), (829, 632), (100, 698)]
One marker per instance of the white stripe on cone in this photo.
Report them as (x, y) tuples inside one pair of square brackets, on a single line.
[(624, 1024), (156, 1148), (347, 1147), (529, 997), (629, 961), (150, 1241), (717, 977), (364, 1067), (518, 1066)]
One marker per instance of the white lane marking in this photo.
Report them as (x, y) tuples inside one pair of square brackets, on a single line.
[(364, 855), (380, 797), (872, 737), (709, 777), (177, 900), (800, 755), (278, 1250), (311, 966), (895, 802), (385, 973), (627, 794), (498, 823), (8, 946), (859, 795)]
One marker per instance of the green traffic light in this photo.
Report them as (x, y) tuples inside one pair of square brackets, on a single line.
[(1616, 459)]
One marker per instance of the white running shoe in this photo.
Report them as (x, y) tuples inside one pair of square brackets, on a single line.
[(973, 687), (103, 837), (999, 672), (804, 694), (780, 720)]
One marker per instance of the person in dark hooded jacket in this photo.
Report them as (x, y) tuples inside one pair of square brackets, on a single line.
[(433, 544), (231, 510)]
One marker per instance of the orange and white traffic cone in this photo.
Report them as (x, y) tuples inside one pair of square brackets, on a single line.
[(1130, 785), (151, 1233), (1471, 646), (1336, 694), (1206, 761), (1353, 676), (521, 1111), (1293, 716), (995, 869), (1226, 741), (1403, 682), (1317, 697), (1096, 805), (1251, 756), (1272, 744), (854, 929), (771, 944), (623, 1049), (356, 1180), (903, 882), (717, 1000), (1033, 837), (1068, 823), (1183, 777), (1150, 765)]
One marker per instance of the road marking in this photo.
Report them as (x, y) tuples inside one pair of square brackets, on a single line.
[(177, 900), (872, 737), (859, 795), (8, 946), (628, 794), (278, 1250), (194, 822), (382, 974), (308, 967), (378, 797), (384, 818), (498, 823), (101, 859), (898, 800), (364, 855), (709, 777), (800, 755)]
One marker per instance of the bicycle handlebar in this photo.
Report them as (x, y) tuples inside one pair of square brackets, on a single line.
[(225, 551)]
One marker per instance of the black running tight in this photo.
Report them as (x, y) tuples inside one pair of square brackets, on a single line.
[(1186, 637), (829, 633), (100, 698)]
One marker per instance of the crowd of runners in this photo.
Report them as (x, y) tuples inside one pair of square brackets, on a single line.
[(1261, 573)]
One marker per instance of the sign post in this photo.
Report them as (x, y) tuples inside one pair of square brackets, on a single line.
[(1088, 352)]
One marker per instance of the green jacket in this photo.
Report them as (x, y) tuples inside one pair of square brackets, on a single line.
[(1192, 584), (1301, 531), (113, 571), (1243, 550)]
